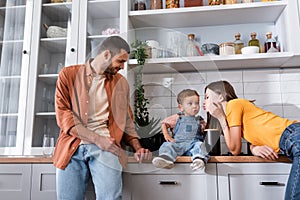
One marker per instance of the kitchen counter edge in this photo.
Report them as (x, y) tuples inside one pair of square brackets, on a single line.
[(180, 159)]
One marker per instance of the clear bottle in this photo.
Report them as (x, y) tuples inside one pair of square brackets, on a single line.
[(270, 43), (253, 41), (238, 43), (191, 48)]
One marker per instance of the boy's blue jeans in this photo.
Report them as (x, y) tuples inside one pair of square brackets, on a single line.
[(290, 145), (195, 149), (89, 160)]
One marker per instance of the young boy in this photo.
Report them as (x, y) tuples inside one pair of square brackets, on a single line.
[(187, 131)]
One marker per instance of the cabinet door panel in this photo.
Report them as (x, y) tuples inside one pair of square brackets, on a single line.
[(255, 186), (15, 181), (175, 187), (43, 182)]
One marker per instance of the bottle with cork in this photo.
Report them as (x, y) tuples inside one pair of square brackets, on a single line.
[(270, 44), (253, 41), (190, 48), (238, 43)]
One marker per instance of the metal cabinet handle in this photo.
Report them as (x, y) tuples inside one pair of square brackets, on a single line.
[(72, 49), (25, 51), (271, 183), (168, 182)]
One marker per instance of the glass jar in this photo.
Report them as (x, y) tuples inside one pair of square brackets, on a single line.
[(270, 44), (253, 41), (193, 3), (156, 4), (227, 48), (238, 43), (139, 4), (172, 3), (214, 2), (191, 48), (230, 1)]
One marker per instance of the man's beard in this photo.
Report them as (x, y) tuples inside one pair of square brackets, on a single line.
[(110, 70)]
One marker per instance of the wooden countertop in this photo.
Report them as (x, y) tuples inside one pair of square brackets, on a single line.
[(181, 159)]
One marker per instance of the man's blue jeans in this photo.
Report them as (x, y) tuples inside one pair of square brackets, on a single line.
[(104, 168), (290, 145)]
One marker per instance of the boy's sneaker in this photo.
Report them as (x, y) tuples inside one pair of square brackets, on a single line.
[(160, 162), (198, 164)]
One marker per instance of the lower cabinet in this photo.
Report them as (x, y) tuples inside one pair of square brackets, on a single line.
[(248, 181), (43, 182), (219, 181), (15, 181), (143, 181)]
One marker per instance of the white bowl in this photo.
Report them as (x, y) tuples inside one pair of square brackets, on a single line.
[(250, 50)]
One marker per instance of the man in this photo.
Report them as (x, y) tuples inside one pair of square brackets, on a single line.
[(94, 115)]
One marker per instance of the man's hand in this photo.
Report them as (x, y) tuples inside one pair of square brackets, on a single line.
[(108, 144), (264, 152), (143, 154)]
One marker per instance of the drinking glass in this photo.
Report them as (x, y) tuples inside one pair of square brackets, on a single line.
[(48, 145)]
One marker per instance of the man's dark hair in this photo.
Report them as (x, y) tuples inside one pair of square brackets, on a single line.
[(114, 44)]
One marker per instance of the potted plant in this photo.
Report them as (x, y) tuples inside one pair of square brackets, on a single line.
[(148, 129)]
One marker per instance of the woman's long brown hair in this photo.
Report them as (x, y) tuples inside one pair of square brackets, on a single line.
[(225, 89)]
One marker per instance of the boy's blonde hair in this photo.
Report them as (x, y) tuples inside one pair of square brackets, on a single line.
[(186, 93)]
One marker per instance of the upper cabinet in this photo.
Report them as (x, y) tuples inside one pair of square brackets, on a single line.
[(15, 36), (64, 34), (217, 24)]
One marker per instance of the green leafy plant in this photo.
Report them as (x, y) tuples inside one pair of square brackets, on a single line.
[(145, 126)]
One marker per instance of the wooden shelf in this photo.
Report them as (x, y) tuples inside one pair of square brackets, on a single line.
[(242, 13)]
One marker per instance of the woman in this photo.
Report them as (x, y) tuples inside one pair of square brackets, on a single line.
[(267, 132)]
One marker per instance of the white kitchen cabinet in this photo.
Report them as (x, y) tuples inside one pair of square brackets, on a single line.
[(84, 22), (15, 181), (144, 181), (218, 24), (15, 36), (249, 181)]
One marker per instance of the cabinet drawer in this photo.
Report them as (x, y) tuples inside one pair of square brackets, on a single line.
[(175, 187), (255, 186)]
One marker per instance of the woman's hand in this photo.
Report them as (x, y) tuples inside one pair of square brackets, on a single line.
[(216, 110), (264, 152)]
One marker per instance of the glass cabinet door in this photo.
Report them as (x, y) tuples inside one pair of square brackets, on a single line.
[(98, 20), (49, 43), (13, 70)]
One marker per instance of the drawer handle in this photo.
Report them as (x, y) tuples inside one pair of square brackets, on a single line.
[(271, 183), (168, 182)]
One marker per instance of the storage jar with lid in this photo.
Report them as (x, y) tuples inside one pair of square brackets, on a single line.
[(238, 43), (227, 48)]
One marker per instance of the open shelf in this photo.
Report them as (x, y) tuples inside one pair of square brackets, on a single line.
[(200, 63), (242, 13)]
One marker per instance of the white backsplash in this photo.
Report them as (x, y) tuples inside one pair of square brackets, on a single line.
[(275, 90)]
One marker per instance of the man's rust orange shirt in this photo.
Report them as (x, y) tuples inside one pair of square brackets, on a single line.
[(72, 104)]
